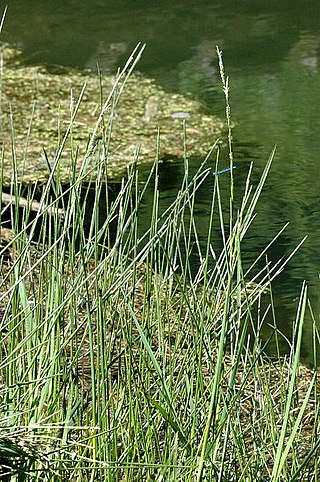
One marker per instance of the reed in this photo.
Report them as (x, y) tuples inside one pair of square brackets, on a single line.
[(118, 362)]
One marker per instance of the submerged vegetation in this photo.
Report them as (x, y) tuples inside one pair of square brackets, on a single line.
[(37, 106), (118, 362)]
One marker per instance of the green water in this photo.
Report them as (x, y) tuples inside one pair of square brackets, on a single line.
[(271, 52)]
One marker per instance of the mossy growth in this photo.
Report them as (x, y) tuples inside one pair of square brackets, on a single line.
[(37, 105)]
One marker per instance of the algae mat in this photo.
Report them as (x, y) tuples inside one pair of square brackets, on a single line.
[(37, 105)]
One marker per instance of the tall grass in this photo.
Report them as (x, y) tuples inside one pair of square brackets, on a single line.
[(118, 362)]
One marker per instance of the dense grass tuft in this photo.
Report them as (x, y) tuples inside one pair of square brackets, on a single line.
[(118, 361)]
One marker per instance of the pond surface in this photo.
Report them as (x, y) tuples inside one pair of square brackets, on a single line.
[(272, 55)]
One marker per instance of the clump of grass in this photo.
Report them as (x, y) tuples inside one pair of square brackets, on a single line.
[(118, 362)]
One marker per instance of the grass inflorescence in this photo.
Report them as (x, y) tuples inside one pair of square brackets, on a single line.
[(118, 361)]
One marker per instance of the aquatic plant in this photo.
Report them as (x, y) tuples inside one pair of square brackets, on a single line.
[(38, 105)]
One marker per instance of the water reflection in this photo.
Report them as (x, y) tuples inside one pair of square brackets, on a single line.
[(71, 33)]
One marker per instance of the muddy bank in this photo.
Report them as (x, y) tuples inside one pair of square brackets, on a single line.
[(36, 107)]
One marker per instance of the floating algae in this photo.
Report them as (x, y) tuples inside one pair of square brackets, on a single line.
[(36, 108)]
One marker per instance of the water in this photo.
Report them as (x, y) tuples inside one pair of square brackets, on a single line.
[(272, 54)]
